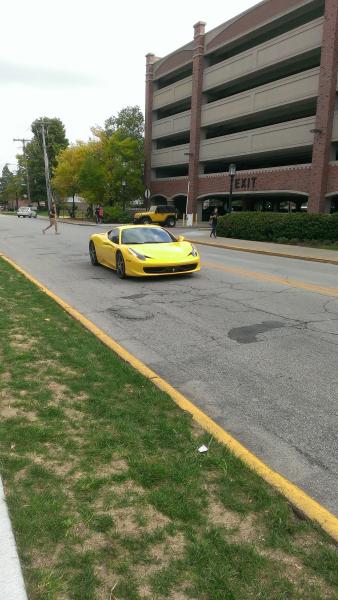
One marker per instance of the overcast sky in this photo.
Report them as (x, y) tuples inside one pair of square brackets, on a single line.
[(83, 60)]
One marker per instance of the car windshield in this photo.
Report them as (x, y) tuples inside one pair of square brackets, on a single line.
[(146, 235)]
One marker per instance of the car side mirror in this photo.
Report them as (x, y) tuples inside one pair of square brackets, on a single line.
[(180, 238)]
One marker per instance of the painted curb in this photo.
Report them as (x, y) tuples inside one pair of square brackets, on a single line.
[(297, 497), (12, 585), (328, 261)]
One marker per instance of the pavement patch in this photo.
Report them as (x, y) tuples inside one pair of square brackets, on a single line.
[(249, 333)]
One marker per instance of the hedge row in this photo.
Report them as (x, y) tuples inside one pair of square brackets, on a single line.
[(115, 214), (279, 227)]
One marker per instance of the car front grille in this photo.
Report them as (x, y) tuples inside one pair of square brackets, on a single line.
[(173, 269)]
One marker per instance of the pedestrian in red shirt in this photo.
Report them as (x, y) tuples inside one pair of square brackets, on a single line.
[(100, 214)]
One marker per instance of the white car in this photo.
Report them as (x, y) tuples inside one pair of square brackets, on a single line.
[(26, 211)]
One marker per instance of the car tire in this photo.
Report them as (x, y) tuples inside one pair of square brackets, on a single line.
[(171, 222), (92, 254), (120, 266), (146, 221)]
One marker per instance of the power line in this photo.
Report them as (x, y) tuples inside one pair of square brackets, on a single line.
[(23, 142)]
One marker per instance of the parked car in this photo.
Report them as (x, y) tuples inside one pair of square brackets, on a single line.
[(26, 211), (164, 215)]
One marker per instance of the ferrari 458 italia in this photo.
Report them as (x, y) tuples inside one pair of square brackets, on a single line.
[(143, 251)]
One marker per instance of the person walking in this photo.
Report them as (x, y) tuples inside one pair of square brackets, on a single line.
[(213, 221), (97, 214), (100, 214), (52, 219)]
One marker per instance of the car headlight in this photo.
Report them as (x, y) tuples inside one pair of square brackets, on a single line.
[(193, 251), (137, 254)]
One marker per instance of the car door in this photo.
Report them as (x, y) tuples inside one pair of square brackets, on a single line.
[(160, 215), (109, 248)]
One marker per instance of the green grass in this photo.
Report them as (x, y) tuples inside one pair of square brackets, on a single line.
[(108, 495)]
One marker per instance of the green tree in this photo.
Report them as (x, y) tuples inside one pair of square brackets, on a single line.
[(129, 122), (93, 173), (11, 187), (66, 175), (124, 163), (55, 142)]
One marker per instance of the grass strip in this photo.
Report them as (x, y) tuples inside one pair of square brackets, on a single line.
[(108, 496)]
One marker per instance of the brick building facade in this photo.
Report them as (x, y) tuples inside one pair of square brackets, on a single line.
[(259, 91)]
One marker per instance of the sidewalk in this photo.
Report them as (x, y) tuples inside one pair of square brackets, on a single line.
[(285, 251), (12, 586)]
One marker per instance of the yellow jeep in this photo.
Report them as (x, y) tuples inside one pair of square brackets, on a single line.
[(162, 215)]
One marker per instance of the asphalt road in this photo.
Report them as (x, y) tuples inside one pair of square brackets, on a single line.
[(258, 355)]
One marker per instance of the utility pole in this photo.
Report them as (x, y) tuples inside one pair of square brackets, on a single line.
[(47, 175), (23, 142)]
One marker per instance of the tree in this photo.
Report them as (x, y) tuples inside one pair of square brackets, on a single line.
[(93, 173), (129, 122), (109, 168), (11, 187), (55, 142), (124, 161), (66, 175)]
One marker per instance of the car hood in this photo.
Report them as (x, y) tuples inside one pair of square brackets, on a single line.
[(167, 251)]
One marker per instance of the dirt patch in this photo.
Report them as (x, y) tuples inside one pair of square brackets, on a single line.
[(146, 594), (30, 415), (109, 582), (126, 520), (20, 474), (115, 467), (59, 391), (92, 542), (8, 412), (6, 377), (296, 572), (119, 495), (21, 342), (73, 414), (171, 549), (245, 529), (41, 561), (221, 516)]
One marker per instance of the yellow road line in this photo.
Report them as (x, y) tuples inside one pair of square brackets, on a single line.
[(309, 507), (294, 283), (260, 250)]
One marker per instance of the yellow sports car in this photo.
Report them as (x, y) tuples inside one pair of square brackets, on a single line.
[(143, 251)]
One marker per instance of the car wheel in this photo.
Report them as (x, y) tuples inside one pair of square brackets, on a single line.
[(171, 222), (146, 220), (92, 254), (120, 266)]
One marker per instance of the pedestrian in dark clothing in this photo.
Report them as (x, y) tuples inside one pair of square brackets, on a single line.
[(213, 221), (97, 214)]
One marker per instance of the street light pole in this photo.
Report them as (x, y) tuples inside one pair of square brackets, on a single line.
[(232, 173), (124, 195)]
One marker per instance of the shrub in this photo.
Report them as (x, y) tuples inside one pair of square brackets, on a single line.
[(115, 214), (274, 227)]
